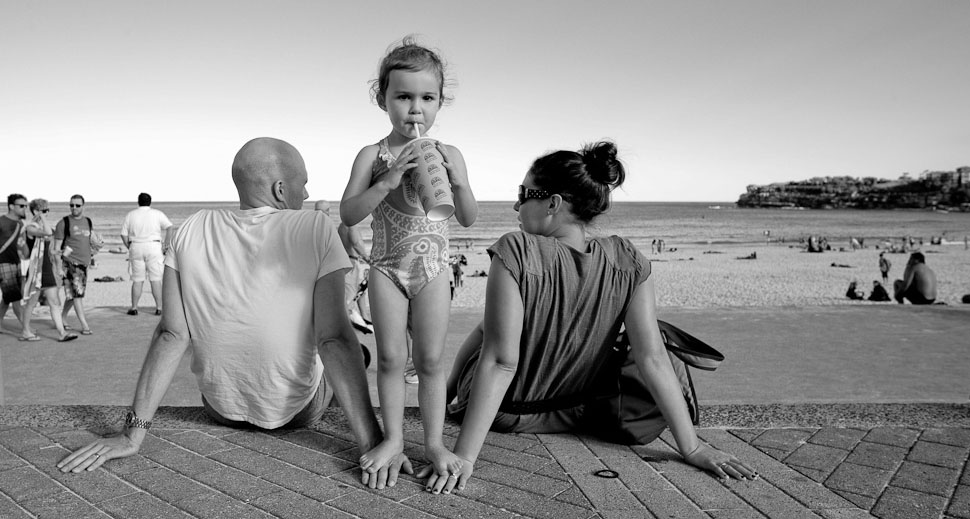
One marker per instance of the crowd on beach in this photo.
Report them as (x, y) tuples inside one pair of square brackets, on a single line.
[(269, 300)]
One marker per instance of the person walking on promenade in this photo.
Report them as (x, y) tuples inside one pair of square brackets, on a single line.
[(409, 251), (12, 241), (556, 300), (258, 294), (73, 238), (884, 266), (41, 273), (146, 233), (918, 284)]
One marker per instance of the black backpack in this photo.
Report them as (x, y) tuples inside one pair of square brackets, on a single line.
[(629, 414), (67, 226)]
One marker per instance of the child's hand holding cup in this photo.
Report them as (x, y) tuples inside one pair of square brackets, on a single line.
[(430, 180)]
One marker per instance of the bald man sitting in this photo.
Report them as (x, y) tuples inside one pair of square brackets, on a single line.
[(258, 294)]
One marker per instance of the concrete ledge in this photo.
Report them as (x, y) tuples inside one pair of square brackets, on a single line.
[(836, 415), (713, 416)]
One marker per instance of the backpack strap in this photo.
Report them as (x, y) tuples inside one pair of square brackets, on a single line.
[(67, 226), (12, 238)]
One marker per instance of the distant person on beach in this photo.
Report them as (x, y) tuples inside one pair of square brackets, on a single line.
[(884, 266), (879, 292), (73, 238), (409, 252), (456, 270), (814, 245), (556, 301), (145, 232), (853, 291), (12, 241), (258, 295), (918, 284), (41, 273)]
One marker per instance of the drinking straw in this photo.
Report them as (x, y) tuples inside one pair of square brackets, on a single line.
[(417, 131)]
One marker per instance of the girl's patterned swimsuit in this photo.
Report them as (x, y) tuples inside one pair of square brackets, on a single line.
[(408, 248)]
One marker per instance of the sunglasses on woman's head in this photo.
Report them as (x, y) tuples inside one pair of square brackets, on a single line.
[(526, 193)]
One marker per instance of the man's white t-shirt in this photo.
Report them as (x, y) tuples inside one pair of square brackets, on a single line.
[(144, 225), (247, 280)]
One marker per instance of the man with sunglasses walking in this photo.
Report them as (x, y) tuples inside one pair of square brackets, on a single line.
[(11, 240), (72, 238)]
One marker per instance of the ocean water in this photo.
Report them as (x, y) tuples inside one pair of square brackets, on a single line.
[(677, 223)]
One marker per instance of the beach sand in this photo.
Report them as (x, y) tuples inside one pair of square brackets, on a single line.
[(694, 276), (748, 309)]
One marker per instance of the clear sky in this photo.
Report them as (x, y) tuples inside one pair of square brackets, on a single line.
[(110, 98)]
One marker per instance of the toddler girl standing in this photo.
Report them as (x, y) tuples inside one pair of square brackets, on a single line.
[(409, 252)]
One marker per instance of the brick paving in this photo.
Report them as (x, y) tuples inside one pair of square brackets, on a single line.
[(190, 467)]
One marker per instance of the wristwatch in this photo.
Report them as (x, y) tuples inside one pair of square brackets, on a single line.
[(133, 421)]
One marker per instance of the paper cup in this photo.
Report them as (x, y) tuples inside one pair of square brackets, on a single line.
[(430, 180), (66, 251)]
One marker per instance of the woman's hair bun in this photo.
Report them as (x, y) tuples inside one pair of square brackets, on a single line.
[(602, 164)]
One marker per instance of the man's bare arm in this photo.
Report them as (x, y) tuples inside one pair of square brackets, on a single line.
[(169, 342), (342, 359)]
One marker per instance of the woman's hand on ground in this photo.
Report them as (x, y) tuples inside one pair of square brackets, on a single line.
[(722, 464), (445, 483)]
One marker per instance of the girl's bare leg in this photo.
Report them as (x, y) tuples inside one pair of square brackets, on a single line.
[(429, 313), (389, 308)]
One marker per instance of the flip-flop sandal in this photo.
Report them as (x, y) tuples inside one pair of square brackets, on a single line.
[(32, 338), (67, 338), (85, 332)]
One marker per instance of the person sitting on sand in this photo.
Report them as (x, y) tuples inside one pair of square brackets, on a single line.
[(853, 292), (258, 294), (918, 284), (878, 292), (554, 306)]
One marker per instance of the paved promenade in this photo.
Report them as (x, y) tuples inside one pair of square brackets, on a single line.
[(886, 435)]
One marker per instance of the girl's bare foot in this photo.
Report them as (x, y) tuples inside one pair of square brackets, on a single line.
[(374, 459)]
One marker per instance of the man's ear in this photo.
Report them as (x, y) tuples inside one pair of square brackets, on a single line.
[(278, 191)]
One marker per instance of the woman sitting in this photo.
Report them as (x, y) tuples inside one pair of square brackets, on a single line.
[(555, 302)]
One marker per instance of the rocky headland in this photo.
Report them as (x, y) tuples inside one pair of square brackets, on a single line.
[(943, 190)]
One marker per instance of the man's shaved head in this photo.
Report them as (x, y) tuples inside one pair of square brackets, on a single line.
[(269, 172)]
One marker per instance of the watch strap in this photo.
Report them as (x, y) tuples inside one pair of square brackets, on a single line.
[(132, 420)]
